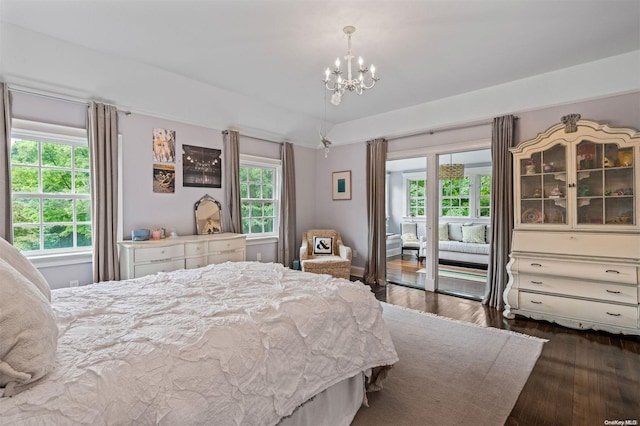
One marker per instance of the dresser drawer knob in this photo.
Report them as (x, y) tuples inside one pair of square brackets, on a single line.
[(536, 282), (535, 302), (612, 271), (613, 291), (537, 265), (613, 315)]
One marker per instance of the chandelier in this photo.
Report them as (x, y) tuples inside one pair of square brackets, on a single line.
[(334, 82), (451, 171)]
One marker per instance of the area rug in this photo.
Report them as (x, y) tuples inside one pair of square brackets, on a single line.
[(460, 272), (450, 372)]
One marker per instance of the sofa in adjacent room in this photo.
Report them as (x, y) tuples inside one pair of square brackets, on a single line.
[(464, 242)]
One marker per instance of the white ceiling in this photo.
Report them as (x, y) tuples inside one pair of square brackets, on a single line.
[(275, 51)]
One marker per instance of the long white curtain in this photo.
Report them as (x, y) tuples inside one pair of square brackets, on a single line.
[(102, 133), (375, 269), (232, 220), (287, 243), (5, 165), (502, 209)]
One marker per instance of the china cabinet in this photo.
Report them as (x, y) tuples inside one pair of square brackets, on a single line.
[(575, 254), (140, 258)]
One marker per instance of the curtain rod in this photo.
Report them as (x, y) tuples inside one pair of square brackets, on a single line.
[(57, 97), (445, 129), (226, 132)]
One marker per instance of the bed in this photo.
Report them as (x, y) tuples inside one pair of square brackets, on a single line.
[(235, 343)]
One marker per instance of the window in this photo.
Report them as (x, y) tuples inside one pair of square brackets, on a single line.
[(455, 197), (259, 193), (416, 197), (51, 188), (467, 197)]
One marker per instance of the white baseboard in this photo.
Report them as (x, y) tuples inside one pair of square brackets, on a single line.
[(357, 271)]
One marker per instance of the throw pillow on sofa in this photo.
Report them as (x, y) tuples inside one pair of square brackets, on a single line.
[(473, 234), (443, 232)]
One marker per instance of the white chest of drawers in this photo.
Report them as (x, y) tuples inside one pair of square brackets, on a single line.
[(140, 258), (579, 280)]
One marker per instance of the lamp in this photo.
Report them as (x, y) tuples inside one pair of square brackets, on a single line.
[(451, 171), (334, 82)]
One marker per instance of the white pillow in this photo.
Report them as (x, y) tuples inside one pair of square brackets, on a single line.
[(322, 246), (28, 332), (443, 232), (473, 234), (20, 263), (409, 237)]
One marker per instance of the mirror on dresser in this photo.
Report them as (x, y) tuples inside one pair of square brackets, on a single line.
[(208, 215)]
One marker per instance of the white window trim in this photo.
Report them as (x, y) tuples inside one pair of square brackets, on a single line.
[(406, 177), (72, 135), (473, 174), (252, 160)]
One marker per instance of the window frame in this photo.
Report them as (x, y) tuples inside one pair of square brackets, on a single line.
[(276, 165), (51, 133), (474, 174), (407, 178)]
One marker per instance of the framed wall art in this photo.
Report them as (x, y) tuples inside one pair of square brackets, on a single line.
[(342, 185), (201, 167)]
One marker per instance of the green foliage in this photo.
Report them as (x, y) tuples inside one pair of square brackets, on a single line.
[(58, 176)]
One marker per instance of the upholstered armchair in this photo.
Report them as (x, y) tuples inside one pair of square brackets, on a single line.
[(323, 252), (409, 237)]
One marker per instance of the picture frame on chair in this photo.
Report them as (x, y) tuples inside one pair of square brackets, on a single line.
[(341, 185)]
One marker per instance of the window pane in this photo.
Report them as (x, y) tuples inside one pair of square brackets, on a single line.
[(268, 225), (55, 154), (268, 209), (24, 152), (81, 157), (24, 179), (244, 174), (83, 210), (26, 237), (254, 191), (83, 236), (256, 226), (256, 209), (83, 185), (58, 236), (267, 176), (245, 208), (245, 226), (255, 175), (26, 210), (56, 181), (243, 190), (267, 191), (57, 210)]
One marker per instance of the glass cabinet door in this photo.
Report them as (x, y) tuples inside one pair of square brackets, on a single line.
[(605, 184), (543, 187)]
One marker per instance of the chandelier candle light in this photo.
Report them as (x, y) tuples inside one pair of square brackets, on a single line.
[(334, 82)]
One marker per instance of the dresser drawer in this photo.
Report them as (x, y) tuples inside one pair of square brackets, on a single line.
[(155, 267), (599, 312), (232, 256), (590, 290), (194, 249), (621, 274), (143, 254), (196, 262), (226, 245)]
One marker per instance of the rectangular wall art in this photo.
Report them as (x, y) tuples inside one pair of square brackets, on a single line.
[(342, 185), (164, 159), (201, 167)]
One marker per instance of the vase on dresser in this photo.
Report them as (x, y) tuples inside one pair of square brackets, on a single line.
[(575, 254)]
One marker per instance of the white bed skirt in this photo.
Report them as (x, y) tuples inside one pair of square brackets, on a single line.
[(335, 406)]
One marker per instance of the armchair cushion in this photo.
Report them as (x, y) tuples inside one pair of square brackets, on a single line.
[(323, 252)]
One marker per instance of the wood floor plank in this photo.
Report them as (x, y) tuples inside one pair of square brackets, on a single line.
[(582, 377)]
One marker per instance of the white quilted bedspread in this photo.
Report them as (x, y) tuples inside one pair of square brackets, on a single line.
[(236, 343)]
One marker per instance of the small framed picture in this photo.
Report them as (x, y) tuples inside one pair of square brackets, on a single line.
[(342, 185)]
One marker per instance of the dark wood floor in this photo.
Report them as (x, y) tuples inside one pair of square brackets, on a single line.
[(581, 378)]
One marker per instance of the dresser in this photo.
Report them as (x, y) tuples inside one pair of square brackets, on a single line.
[(140, 258), (575, 253)]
